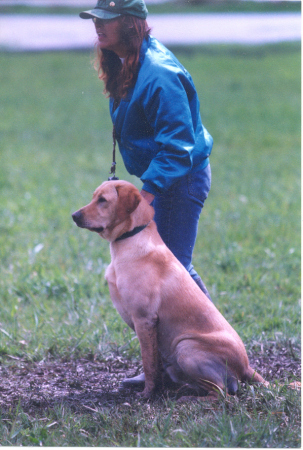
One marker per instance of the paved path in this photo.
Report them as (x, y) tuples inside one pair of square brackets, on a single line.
[(88, 4), (54, 32)]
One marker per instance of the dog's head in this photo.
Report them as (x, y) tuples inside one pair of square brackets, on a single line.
[(114, 210)]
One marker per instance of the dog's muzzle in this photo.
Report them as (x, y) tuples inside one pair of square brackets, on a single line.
[(78, 218), (80, 222)]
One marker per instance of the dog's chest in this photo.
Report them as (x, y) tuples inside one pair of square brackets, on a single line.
[(118, 301)]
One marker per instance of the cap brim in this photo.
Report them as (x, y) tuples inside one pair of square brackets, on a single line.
[(99, 13)]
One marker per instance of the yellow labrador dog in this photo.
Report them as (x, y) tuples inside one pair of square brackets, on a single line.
[(178, 327)]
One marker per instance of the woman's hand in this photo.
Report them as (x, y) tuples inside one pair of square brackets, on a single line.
[(147, 195)]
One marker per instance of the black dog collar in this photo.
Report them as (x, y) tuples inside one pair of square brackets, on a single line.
[(131, 233)]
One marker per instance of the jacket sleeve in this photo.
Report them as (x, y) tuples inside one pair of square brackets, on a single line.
[(167, 108)]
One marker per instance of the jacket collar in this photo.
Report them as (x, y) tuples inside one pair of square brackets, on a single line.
[(143, 50)]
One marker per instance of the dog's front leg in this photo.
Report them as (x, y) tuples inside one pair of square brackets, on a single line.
[(146, 330)]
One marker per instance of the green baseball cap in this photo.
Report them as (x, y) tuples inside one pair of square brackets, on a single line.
[(110, 9)]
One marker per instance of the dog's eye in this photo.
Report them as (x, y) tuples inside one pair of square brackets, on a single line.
[(101, 200)]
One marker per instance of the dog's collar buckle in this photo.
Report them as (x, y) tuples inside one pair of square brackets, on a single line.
[(131, 233)]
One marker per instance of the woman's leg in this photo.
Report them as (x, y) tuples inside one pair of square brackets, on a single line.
[(177, 213)]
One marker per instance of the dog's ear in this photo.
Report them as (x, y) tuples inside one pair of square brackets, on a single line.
[(129, 199)]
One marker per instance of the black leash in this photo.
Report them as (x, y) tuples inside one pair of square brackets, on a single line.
[(136, 230), (113, 167)]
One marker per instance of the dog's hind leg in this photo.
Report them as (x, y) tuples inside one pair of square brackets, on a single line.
[(201, 369), (201, 374)]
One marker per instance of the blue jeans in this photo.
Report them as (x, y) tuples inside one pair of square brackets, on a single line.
[(177, 213)]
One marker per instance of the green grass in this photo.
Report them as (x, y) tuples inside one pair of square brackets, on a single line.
[(266, 419), (179, 6), (56, 149)]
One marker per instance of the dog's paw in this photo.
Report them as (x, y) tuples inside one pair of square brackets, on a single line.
[(146, 394)]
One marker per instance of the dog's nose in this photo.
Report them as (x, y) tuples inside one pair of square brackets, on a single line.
[(77, 216)]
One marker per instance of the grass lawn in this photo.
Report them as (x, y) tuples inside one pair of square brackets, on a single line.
[(56, 149), (177, 6)]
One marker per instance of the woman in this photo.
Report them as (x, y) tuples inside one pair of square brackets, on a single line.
[(155, 111)]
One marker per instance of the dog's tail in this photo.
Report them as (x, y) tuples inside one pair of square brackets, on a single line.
[(251, 376)]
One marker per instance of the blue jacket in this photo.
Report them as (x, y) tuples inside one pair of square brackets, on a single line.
[(158, 125)]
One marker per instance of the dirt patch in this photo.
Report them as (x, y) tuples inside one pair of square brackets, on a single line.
[(276, 362), (81, 384), (85, 385)]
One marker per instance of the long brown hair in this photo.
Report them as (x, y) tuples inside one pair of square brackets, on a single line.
[(118, 77)]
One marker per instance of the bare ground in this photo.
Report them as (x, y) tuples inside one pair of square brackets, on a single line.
[(85, 384)]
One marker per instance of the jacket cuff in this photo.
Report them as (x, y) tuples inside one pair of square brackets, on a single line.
[(149, 187)]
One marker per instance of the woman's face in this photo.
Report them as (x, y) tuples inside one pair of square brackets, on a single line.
[(108, 32)]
